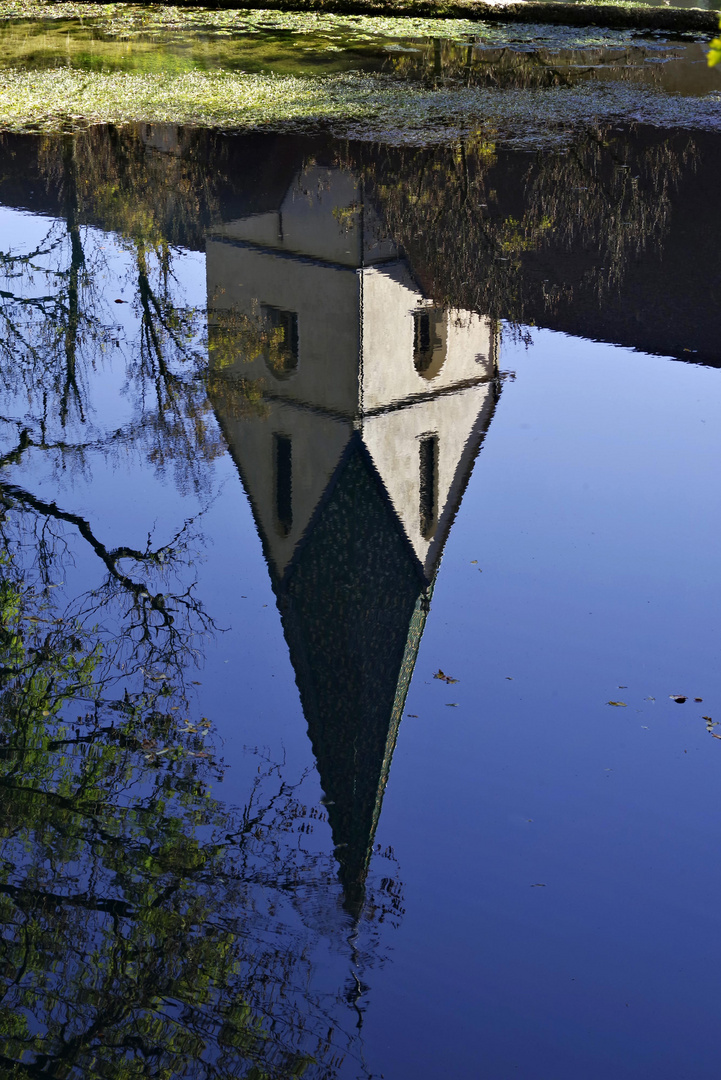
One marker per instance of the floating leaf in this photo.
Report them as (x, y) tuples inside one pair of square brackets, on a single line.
[(446, 678), (620, 704), (678, 698)]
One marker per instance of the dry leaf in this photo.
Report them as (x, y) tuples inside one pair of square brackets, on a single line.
[(446, 678)]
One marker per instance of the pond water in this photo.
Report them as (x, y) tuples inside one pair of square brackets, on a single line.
[(360, 602), (449, 53)]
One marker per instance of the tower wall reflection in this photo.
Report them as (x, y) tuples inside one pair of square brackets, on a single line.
[(354, 409)]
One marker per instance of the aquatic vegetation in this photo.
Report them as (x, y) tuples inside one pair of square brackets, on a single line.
[(133, 20), (375, 107), (71, 65)]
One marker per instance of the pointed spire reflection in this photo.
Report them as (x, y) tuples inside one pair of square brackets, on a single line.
[(354, 410)]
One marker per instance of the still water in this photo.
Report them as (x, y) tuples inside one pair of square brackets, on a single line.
[(360, 519)]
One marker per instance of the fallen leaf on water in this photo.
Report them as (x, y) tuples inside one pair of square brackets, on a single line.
[(678, 698), (707, 718), (474, 562), (413, 715), (451, 704), (698, 699), (622, 704), (539, 885), (623, 688), (446, 678)]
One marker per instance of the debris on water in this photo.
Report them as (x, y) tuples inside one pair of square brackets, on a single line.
[(446, 678), (698, 699), (678, 698), (451, 704), (621, 704), (414, 716), (539, 885)]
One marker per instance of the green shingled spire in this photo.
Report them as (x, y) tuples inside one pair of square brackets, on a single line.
[(354, 603)]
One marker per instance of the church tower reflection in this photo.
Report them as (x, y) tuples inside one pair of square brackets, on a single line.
[(354, 410)]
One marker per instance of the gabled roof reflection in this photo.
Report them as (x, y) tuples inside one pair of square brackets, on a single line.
[(354, 410)]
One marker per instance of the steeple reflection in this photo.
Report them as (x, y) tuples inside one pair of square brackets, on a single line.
[(354, 410)]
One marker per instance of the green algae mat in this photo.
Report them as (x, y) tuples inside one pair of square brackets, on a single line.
[(67, 66)]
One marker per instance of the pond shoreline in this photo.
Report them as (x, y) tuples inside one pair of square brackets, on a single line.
[(613, 16)]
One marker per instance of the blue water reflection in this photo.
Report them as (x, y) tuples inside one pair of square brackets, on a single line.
[(497, 873)]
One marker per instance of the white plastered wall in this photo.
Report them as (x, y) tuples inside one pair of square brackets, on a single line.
[(393, 439), (390, 297)]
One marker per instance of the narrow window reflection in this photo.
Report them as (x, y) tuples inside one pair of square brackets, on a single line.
[(283, 484), (429, 484), (281, 340), (428, 351)]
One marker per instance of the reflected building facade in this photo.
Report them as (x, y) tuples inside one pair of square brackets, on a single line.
[(354, 410)]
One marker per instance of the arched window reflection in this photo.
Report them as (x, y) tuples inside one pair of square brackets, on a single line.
[(283, 483), (429, 351), (428, 449), (281, 340)]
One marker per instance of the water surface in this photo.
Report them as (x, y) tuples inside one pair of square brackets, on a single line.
[(359, 518)]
